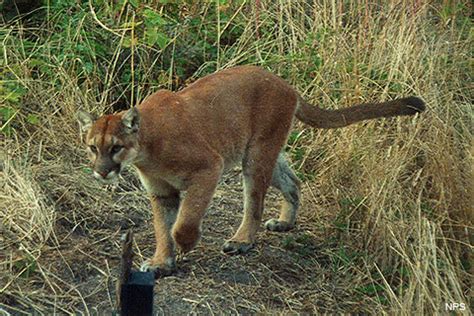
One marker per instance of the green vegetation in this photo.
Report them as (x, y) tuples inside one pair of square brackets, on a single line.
[(386, 222)]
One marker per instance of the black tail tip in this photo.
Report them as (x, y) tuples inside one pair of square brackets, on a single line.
[(414, 105)]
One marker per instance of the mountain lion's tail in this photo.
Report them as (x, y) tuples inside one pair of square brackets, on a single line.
[(317, 117)]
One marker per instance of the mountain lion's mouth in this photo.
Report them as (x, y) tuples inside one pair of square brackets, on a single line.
[(109, 178)]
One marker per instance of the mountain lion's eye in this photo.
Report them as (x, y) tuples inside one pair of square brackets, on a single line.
[(115, 149), (93, 149)]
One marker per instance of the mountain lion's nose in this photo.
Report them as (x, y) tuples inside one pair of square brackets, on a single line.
[(104, 174)]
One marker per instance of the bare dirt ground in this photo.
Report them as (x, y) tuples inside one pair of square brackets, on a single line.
[(285, 273)]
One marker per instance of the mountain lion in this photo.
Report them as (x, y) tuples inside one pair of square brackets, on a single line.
[(184, 141)]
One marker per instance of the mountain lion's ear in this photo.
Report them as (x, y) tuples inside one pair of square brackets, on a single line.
[(85, 120), (131, 119)]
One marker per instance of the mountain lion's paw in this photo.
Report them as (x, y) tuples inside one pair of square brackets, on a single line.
[(186, 237), (275, 225), (236, 248), (160, 270)]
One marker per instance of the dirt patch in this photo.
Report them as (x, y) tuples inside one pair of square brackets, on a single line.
[(284, 273)]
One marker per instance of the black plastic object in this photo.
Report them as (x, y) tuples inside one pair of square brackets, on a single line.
[(134, 288), (136, 295)]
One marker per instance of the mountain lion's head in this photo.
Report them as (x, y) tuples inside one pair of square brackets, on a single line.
[(112, 142)]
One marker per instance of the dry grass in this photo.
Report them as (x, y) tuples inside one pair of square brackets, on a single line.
[(386, 225)]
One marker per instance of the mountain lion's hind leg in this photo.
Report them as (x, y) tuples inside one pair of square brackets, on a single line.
[(286, 181), (257, 173)]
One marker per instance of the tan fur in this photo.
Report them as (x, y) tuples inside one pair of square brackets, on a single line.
[(184, 141)]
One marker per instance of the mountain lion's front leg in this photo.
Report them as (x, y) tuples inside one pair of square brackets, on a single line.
[(165, 204), (187, 229)]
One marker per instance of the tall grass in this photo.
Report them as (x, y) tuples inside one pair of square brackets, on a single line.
[(393, 197)]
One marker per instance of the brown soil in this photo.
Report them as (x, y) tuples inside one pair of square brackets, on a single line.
[(285, 273)]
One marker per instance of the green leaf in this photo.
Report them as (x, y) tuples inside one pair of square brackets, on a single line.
[(151, 36), (294, 137), (6, 112), (88, 67), (27, 266), (162, 40), (317, 62), (32, 119), (13, 97), (34, 62), (133, 3), (7, 130), (153, 18)]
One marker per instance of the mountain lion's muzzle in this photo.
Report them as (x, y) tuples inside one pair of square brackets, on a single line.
[(106, 169)]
